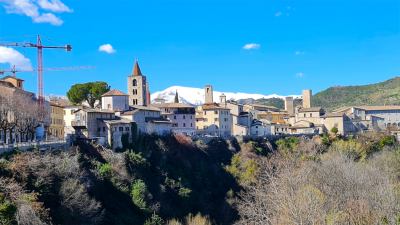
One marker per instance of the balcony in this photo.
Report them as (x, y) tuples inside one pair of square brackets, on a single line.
[(79, 124)]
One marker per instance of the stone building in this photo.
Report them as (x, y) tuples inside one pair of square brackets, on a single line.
[(241, 120), (289, 105), (19, 102), (148, 120), (138, 87), (307, 95), (115, 100), (56, 128), (378, 118), (182, 116), (212, 118), (315, 120)]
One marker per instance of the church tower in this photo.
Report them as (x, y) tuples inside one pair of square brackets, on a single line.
[(138, 89), (176, 100), (208, 89)]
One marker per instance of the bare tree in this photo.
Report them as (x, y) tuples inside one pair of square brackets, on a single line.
[(334, 190)]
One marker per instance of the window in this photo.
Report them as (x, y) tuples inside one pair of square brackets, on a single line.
[(174, 117), (109, 106), (205, 112), (126, 128), (215, 112), (184, 117), (121, 129), (305, 115), (104, 129), (134, 82), (184, 124), (191, 124), (310, 114), (98, 129), (215, 119)]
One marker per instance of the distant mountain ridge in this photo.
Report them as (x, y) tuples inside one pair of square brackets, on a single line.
[(195, 96), (383, 93)]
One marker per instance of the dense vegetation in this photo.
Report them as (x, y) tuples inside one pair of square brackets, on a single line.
[(384, 93), (176, 181), (276, 102)]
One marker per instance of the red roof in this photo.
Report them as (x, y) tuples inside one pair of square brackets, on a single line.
[(114, 93), (136, 69)]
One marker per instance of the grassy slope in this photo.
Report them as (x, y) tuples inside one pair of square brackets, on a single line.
[(384, 93)]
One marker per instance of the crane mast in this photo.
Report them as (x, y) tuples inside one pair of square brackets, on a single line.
[(38, 45)]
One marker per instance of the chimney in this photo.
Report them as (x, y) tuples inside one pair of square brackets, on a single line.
[(208, 94), (307, 94), (289, 106)]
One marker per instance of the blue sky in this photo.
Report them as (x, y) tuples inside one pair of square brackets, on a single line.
[(297, 44)]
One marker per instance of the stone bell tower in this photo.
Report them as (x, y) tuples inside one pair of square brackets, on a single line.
[(138, 89)]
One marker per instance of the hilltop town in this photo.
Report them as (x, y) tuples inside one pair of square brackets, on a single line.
[(105, 156), (118, 114)]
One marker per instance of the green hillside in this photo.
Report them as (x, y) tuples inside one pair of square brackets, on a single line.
[(384, 93)]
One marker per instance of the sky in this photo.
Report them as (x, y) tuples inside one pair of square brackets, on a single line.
[(251, 46)]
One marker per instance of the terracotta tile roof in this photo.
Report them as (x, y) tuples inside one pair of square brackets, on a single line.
[(212, 106), (382, 107), (312, 109), (60, 102), (370, 108), (114, 93), (328, 115), (138, 108)]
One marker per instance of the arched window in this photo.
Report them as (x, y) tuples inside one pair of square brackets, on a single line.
[(134, 82)]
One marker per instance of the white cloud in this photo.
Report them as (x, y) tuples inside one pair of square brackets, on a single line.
[(107, 48), (300, 74), (48, 18), (13, 57), (299, 53), (279, 13), (37, 10), (251, 46), (54, 6)]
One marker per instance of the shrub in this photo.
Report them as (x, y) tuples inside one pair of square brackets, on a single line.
[(154, 220), (386, 141), (351, 148), (197, 220), (105, 170), (184, 192), (138, 194), (244, 171), (334, 130), (287, 146), (325, 140), (136, 159), (7, 211), (192, 220)]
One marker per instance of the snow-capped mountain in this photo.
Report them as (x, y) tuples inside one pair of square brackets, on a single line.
[(195, 96)]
